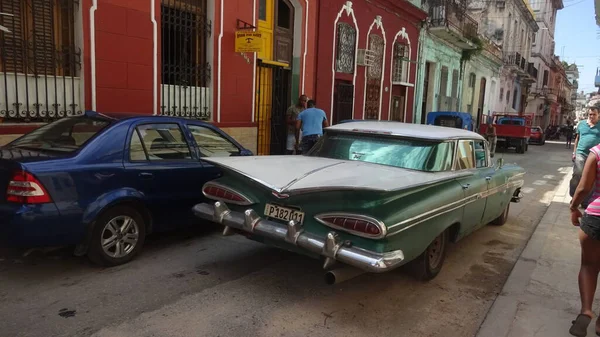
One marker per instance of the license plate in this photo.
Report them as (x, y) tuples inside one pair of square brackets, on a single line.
[(284, 213)]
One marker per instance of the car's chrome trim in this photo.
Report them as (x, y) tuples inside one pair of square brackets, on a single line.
[(380, 224), (248, 201), (286, 187), (418, 219), (331, 246)]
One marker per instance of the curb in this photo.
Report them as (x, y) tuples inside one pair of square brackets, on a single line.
[(499, 318)]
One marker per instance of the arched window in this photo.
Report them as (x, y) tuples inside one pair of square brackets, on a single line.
[(345, 48), (374, 74), (400, 65)]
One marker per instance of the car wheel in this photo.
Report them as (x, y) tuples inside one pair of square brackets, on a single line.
[(519, 149), (118, 236), (429, 263), (501, 220)]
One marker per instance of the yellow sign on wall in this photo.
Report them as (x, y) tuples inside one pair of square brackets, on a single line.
[(248, 42)]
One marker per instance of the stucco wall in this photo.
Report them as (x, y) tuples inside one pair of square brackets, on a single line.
[(482, 68), (244, 135), (440, 54)]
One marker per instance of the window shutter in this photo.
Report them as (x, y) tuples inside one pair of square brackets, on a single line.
[(12, 44), (42, 57)]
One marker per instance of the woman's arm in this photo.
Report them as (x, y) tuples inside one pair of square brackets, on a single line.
[(588, 179)]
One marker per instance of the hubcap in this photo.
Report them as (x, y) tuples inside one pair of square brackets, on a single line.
[(435, 251), (120, 236)]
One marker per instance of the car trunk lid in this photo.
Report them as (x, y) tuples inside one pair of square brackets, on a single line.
[(304, 174)]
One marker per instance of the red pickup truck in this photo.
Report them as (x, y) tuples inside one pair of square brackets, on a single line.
[(512, 130)]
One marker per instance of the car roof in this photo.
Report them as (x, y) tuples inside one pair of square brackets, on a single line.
[(432, 132)]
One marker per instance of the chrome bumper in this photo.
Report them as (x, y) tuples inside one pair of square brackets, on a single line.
[(331, 247)]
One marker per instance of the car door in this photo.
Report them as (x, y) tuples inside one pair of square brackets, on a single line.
[(499, 195), (211, 142), (475, 186), (162, 164), (486, 170)]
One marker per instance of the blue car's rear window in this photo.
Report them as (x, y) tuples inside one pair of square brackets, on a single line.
[(64, 135)]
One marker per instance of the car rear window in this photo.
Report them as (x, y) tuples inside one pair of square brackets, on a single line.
[(414, 154), (64, 135)]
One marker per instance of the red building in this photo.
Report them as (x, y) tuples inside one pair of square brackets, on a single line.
[(177, 57), (366, 69)]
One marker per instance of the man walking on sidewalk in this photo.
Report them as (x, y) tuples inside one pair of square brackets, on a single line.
[(311, 122), (587, 136)]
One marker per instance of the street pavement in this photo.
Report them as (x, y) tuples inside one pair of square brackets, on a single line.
[(198, 283), (541, 295)]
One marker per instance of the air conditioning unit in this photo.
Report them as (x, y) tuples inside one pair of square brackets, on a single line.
[(365, 58)]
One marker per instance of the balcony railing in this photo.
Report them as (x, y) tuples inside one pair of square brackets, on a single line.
[(452, 17), (531, 72)]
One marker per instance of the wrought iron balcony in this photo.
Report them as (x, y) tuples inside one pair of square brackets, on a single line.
[(450, 21), (515, 61), (531, 74)]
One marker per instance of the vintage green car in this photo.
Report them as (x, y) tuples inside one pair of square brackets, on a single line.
[(371, 195)]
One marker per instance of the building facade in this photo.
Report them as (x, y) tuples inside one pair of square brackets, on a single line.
[(450, 31), (543, 98), (368, 51), (480, 87), (161, 57), (510, 24)]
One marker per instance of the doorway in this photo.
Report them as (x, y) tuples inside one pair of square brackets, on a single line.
[(272, 101), (398, 110), (481, 103), (343, 100), (425, 105)]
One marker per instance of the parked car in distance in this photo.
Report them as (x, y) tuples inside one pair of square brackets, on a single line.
[(371, 195), (102, 183), (537, 136)]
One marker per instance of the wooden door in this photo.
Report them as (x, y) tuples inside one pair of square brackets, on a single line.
[(284, 32)]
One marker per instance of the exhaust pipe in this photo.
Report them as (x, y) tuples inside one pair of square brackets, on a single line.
[(342, 274)]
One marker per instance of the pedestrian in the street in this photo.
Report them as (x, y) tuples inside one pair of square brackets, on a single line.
[(589, 238), (311, 123), (292, 114), (587, 136), (490, 135), (569, 134)]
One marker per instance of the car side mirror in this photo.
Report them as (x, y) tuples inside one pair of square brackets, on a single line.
[(499, 163)]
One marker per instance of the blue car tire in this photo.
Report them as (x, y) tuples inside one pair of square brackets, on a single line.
[(118, 236)]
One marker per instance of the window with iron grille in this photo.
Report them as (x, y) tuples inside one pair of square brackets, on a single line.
[(400, 67), (41, 38), (186, 72), (40, 61), (376, 46), (374, 78), (345, 48)]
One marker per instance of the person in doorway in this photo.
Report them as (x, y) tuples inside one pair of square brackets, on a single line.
[(491, 137), (587, 136), (569, 134), (589, 238), (311, 123), (292, 115)]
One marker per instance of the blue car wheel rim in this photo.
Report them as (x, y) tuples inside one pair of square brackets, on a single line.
[(120, 236)]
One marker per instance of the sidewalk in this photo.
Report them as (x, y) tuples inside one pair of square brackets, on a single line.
[(541, 296)]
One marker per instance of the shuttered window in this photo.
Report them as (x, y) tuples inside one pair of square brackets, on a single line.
[(41, 38)]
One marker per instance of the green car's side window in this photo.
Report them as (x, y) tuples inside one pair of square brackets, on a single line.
[(465, 157), (480, 154)]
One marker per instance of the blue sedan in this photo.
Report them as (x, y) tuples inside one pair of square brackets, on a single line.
[(102, 183)]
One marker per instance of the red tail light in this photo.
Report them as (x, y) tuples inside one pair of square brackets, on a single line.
[(219, 192), (360, 225), (24, 188)]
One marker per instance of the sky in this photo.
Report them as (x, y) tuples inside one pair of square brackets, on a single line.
[(577, 39)]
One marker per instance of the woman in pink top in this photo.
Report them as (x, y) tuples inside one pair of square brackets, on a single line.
[(589, 237)]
